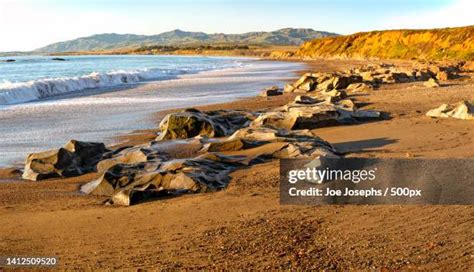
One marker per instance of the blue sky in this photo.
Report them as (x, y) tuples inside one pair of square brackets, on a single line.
[(29, 24)]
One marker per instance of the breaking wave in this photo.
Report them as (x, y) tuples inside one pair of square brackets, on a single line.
[(20, 92)]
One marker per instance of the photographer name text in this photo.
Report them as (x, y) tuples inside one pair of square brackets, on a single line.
[(371, 192)]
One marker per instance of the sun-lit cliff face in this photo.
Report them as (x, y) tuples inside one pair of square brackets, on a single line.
[(433, 44)]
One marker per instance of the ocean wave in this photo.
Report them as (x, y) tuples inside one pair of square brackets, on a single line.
[(20, 92)]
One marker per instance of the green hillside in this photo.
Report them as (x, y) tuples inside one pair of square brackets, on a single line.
[(286, 36)]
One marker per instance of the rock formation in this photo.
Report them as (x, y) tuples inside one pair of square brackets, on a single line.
[(192, 122), (271, 91), (73, 159), (126, 183), (369, 77), (310, 82), (360, 87), (462, 110), (324, 103), (122, 182), (310, 116), (130, 155), (432, 83)]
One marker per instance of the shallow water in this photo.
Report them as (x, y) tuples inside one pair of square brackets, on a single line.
[(31, 78), (100, 114)]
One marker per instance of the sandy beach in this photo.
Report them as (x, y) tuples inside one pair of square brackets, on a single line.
[(244, 226)]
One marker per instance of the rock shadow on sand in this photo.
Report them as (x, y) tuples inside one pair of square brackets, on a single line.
[(363, 145)]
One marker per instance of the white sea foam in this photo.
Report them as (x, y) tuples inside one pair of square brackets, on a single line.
[(43, 124), (20, 92)]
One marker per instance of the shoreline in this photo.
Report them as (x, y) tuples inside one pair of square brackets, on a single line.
[(101, 80), (309, 65), (252, 102), (152, 85)]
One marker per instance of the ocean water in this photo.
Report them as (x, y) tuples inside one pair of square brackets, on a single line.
[(47, 103), (31, 78)]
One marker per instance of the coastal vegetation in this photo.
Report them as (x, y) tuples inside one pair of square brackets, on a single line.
[(289, 43), (179, 38), (432, 44)]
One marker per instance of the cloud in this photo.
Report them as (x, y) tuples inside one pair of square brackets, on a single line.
[(457, 13)]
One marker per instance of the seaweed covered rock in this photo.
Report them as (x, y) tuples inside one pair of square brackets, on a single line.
[(309, 115), (131, 155), (462, 110), (281, 143), (126, 184), (271, 91), (191, 122), (311, 82), (75, 158)]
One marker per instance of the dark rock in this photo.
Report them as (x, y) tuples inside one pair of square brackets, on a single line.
[(59, 59), (192, 122), (272, 91), (131, 155), (303, 99), (398, 77), (74, 159), (126, 184), (342, 81), (423, 75)]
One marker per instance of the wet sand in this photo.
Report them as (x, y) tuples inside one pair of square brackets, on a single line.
[(98, 115), (244, 226)]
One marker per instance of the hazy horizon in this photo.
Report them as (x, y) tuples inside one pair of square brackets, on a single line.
[(31, 24)]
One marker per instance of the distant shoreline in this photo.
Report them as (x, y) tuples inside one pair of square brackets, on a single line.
[(439, 44)]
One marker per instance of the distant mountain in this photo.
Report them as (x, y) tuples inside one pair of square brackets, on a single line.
[(455, 43), (286, 36)]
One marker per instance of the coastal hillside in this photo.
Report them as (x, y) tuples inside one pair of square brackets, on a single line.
[(434, 44), (100, 42)]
